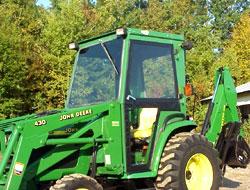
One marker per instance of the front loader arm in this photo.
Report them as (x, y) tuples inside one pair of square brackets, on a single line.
[(222, 123), (33, 133)]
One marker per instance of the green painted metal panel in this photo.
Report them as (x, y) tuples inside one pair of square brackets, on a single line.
[(163, 137), (225, 102)]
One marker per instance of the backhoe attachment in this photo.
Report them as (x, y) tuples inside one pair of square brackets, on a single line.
[(232, 147), (222, 124)]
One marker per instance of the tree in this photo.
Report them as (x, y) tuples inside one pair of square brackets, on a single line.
[(65, 24), (225, 13), (236, 53), (35, 61), (20, 28)]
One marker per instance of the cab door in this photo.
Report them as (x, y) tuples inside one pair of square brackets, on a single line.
[(151, 88)]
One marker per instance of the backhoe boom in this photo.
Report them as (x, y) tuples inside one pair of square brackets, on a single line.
[(222, 123)]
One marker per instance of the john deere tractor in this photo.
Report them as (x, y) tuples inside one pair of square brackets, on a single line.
[(125, 123)]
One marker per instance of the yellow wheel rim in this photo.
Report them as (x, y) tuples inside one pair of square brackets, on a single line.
[(81, 189), (199, 173)]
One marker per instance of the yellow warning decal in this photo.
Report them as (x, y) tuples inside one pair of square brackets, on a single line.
[(18, 168)]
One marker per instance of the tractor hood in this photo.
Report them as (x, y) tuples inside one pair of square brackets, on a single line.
[(66, 115)]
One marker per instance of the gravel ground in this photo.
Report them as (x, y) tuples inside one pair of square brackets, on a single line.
[(238, 178)]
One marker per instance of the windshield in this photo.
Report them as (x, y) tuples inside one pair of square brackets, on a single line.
[(95, 77)]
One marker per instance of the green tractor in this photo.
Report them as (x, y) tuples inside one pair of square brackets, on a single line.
[(125, 123)]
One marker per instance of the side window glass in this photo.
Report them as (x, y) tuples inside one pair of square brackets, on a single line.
[(151, 71)]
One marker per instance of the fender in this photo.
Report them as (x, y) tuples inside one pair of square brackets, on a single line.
[(162, 138)]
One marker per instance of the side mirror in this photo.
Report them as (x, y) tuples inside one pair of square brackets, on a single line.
[(188, 89), (187, 45)]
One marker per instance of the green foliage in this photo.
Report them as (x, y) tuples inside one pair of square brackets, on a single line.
[(18, 36), (35, 63), (246, 129), (237, 51), (225, 13), (197, 111)]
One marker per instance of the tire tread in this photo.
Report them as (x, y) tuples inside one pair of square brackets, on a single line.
[(168, 176), (65, 182)]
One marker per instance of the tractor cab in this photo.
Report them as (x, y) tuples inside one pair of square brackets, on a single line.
[(137, 70)]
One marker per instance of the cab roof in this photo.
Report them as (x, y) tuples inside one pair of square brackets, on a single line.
[(137, 32)]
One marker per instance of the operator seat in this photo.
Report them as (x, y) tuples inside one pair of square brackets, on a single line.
[(146, 121)]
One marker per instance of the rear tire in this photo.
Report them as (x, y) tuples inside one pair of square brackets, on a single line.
[(76, 181), (189, 162)]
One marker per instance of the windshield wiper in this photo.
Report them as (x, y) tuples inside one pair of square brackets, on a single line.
[(109, 57)]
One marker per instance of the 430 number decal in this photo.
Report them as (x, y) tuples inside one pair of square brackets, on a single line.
[(40, 122)]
